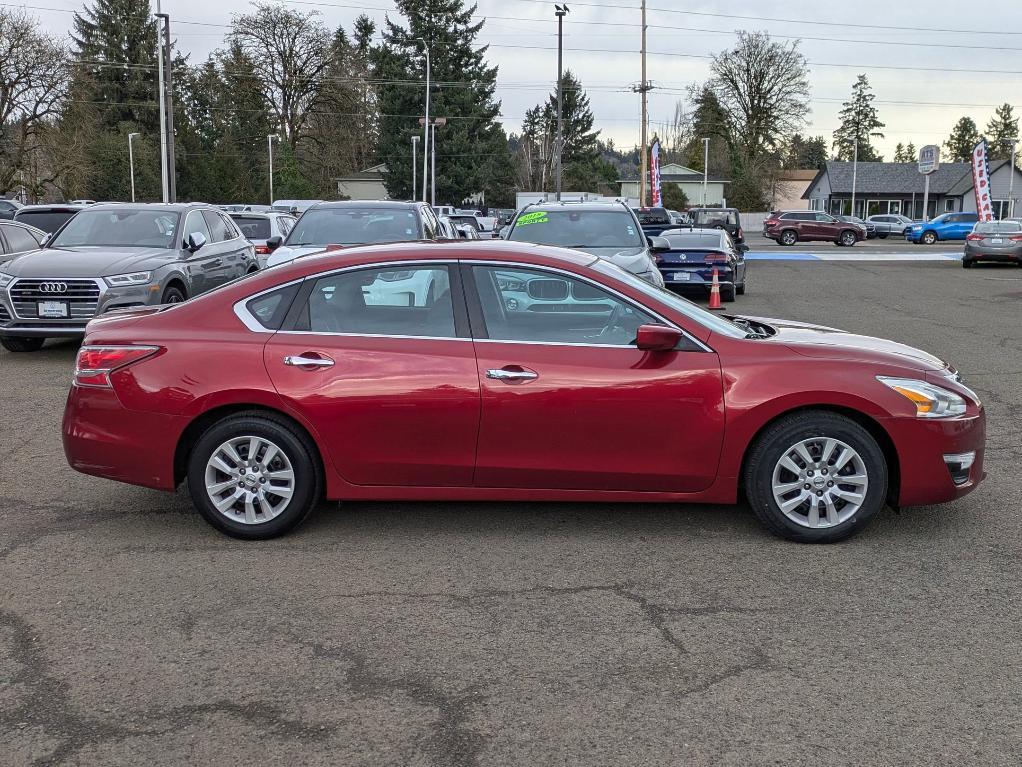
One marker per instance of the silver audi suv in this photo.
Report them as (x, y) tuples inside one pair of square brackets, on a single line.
[(116, 256)]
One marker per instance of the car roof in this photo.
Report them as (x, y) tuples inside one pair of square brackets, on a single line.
[(586, 205), (57, 206), (171, 207), (363, 204)]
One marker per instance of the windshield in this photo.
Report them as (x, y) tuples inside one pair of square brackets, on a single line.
[(652, 215), (47, 220), (470, 220), (695, 240), (354, 226), (715, 217), (673, 300), (578, 229), (119, 228), (253, 227), (998, 227)]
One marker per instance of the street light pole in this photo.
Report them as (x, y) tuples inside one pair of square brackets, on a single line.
[(560, 11), (131, 163), (706, 166), (168, 96), (855, 170), (645, 88), (437, 122), (425, 145), (415, 144), (269, 147), (163, 112), (1011, 178)]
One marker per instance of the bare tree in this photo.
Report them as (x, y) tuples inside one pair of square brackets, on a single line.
[(33, 83), (763, 88), (291, 51)]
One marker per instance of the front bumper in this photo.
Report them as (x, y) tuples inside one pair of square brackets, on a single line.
[(21, 319), (922, 444)]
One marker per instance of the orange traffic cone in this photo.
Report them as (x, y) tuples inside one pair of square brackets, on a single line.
[(715, 292)]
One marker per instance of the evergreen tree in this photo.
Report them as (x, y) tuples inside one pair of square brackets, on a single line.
[(808, 152), (1001, 130), (116, 43), (899, 153), (858, 121), (709, 121), (674, 197), (963, 139), (471, 149), (911, 153)]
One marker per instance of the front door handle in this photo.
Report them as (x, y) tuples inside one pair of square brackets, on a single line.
[(312, 362), (512, 375)]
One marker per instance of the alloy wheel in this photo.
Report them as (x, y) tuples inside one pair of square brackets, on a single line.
[(819, 482), (249, 480)]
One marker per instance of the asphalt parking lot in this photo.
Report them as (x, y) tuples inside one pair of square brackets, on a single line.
[(464, 634)]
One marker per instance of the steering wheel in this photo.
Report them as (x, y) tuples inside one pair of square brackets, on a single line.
[(616, 315)]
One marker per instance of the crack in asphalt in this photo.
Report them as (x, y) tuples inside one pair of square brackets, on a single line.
[(46, 704)]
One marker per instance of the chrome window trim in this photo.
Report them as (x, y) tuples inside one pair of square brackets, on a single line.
[(368, 335), (601, 286)]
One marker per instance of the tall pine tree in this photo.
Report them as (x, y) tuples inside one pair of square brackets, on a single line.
[(471, 149), (963, 139), (1001, 131), (858, 121)]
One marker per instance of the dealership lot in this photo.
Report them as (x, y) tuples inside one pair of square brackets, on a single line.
[(471, 634)]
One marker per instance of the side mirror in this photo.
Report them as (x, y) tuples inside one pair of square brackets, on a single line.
[(659, 244), (195, 241), (274, 242), (44, 240), (657, 338), (503, 232)]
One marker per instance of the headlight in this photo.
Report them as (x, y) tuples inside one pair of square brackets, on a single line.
[(931, 401), (6, 279), (135, 278)]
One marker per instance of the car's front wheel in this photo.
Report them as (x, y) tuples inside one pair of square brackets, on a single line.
[(173, 295), (788, 237), (253, 475), (847, 238), (815, 477), (20, 344), (929, 238)]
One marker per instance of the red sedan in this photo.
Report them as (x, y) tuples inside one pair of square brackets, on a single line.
[(511, 372)]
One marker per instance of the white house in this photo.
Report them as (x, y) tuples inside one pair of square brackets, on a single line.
[(364, 185), (690, 181)]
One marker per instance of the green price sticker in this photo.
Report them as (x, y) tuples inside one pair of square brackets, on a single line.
[(538, 217)]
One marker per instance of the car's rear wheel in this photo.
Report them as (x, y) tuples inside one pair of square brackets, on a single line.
[(788, 237), (727, 294), (740, 289), (20, 344), (252, 475), (883, 235), (967, 263), (815, 477), (929, 238)]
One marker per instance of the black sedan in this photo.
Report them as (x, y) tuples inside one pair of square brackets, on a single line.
[(994, 241), (694, 254)]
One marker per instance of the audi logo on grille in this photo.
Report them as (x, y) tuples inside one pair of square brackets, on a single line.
[(53, 287)]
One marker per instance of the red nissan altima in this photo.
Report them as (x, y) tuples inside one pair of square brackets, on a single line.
[(508, 372)]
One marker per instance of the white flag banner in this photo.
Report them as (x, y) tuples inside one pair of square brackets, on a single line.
[(981, 182)]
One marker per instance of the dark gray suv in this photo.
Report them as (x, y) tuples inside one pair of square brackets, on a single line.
[(116, 256)]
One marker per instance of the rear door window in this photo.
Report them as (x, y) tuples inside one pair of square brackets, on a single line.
[(217, 227)]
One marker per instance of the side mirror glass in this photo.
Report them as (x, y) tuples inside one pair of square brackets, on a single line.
[(195, 241), (274, 242), (657, 338), (659, 244)]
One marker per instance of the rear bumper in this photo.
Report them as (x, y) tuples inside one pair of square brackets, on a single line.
[(103, 438), (1008, 255), (680, 277), (925, 475)]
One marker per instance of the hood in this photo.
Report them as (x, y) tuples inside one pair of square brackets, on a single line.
[(92, 261), (636, 260), (284, 254), (823, 342)]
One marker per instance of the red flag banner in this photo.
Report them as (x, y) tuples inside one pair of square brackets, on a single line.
[(656, 197), (981, 182)]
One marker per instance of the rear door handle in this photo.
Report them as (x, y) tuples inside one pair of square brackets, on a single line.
[(313, 362), (512, 375)]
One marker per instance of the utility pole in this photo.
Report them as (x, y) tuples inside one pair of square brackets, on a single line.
[(560, 11), (643, 89), (131, 163), (163, 111), (437, 122), (855, 171), (425, 145), (706, 166), (269, 148), (168, 110), (1011, 178), (415, 143)]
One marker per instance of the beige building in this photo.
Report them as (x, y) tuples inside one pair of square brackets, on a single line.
[(690, 181), (364, 185), (791, 185)]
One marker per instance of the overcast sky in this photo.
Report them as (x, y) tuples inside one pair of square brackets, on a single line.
[(903, 65)]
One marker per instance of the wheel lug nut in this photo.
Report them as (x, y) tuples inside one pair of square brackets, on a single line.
[(819, 493), (807, 486), (809, 473), (823, 471), (830, 484)]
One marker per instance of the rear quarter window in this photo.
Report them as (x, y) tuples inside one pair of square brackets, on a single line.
[(269, 309)]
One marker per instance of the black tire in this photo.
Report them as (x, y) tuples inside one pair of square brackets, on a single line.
[(173, 295), (883, 236), (727, 294), (19, 344), (300, 452), (740, 289), (847, 238), (778, 439), (928, 238), (967, 263), (788, 237)]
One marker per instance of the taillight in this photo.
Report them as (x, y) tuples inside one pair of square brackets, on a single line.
[(333, 247), (974, 237), (741, 234), (658, 258), (715, 258), (262, 250), (95, 363), (1016, 238)]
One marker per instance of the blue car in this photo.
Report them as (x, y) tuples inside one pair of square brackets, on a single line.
[(950, 226), (694, 254)]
